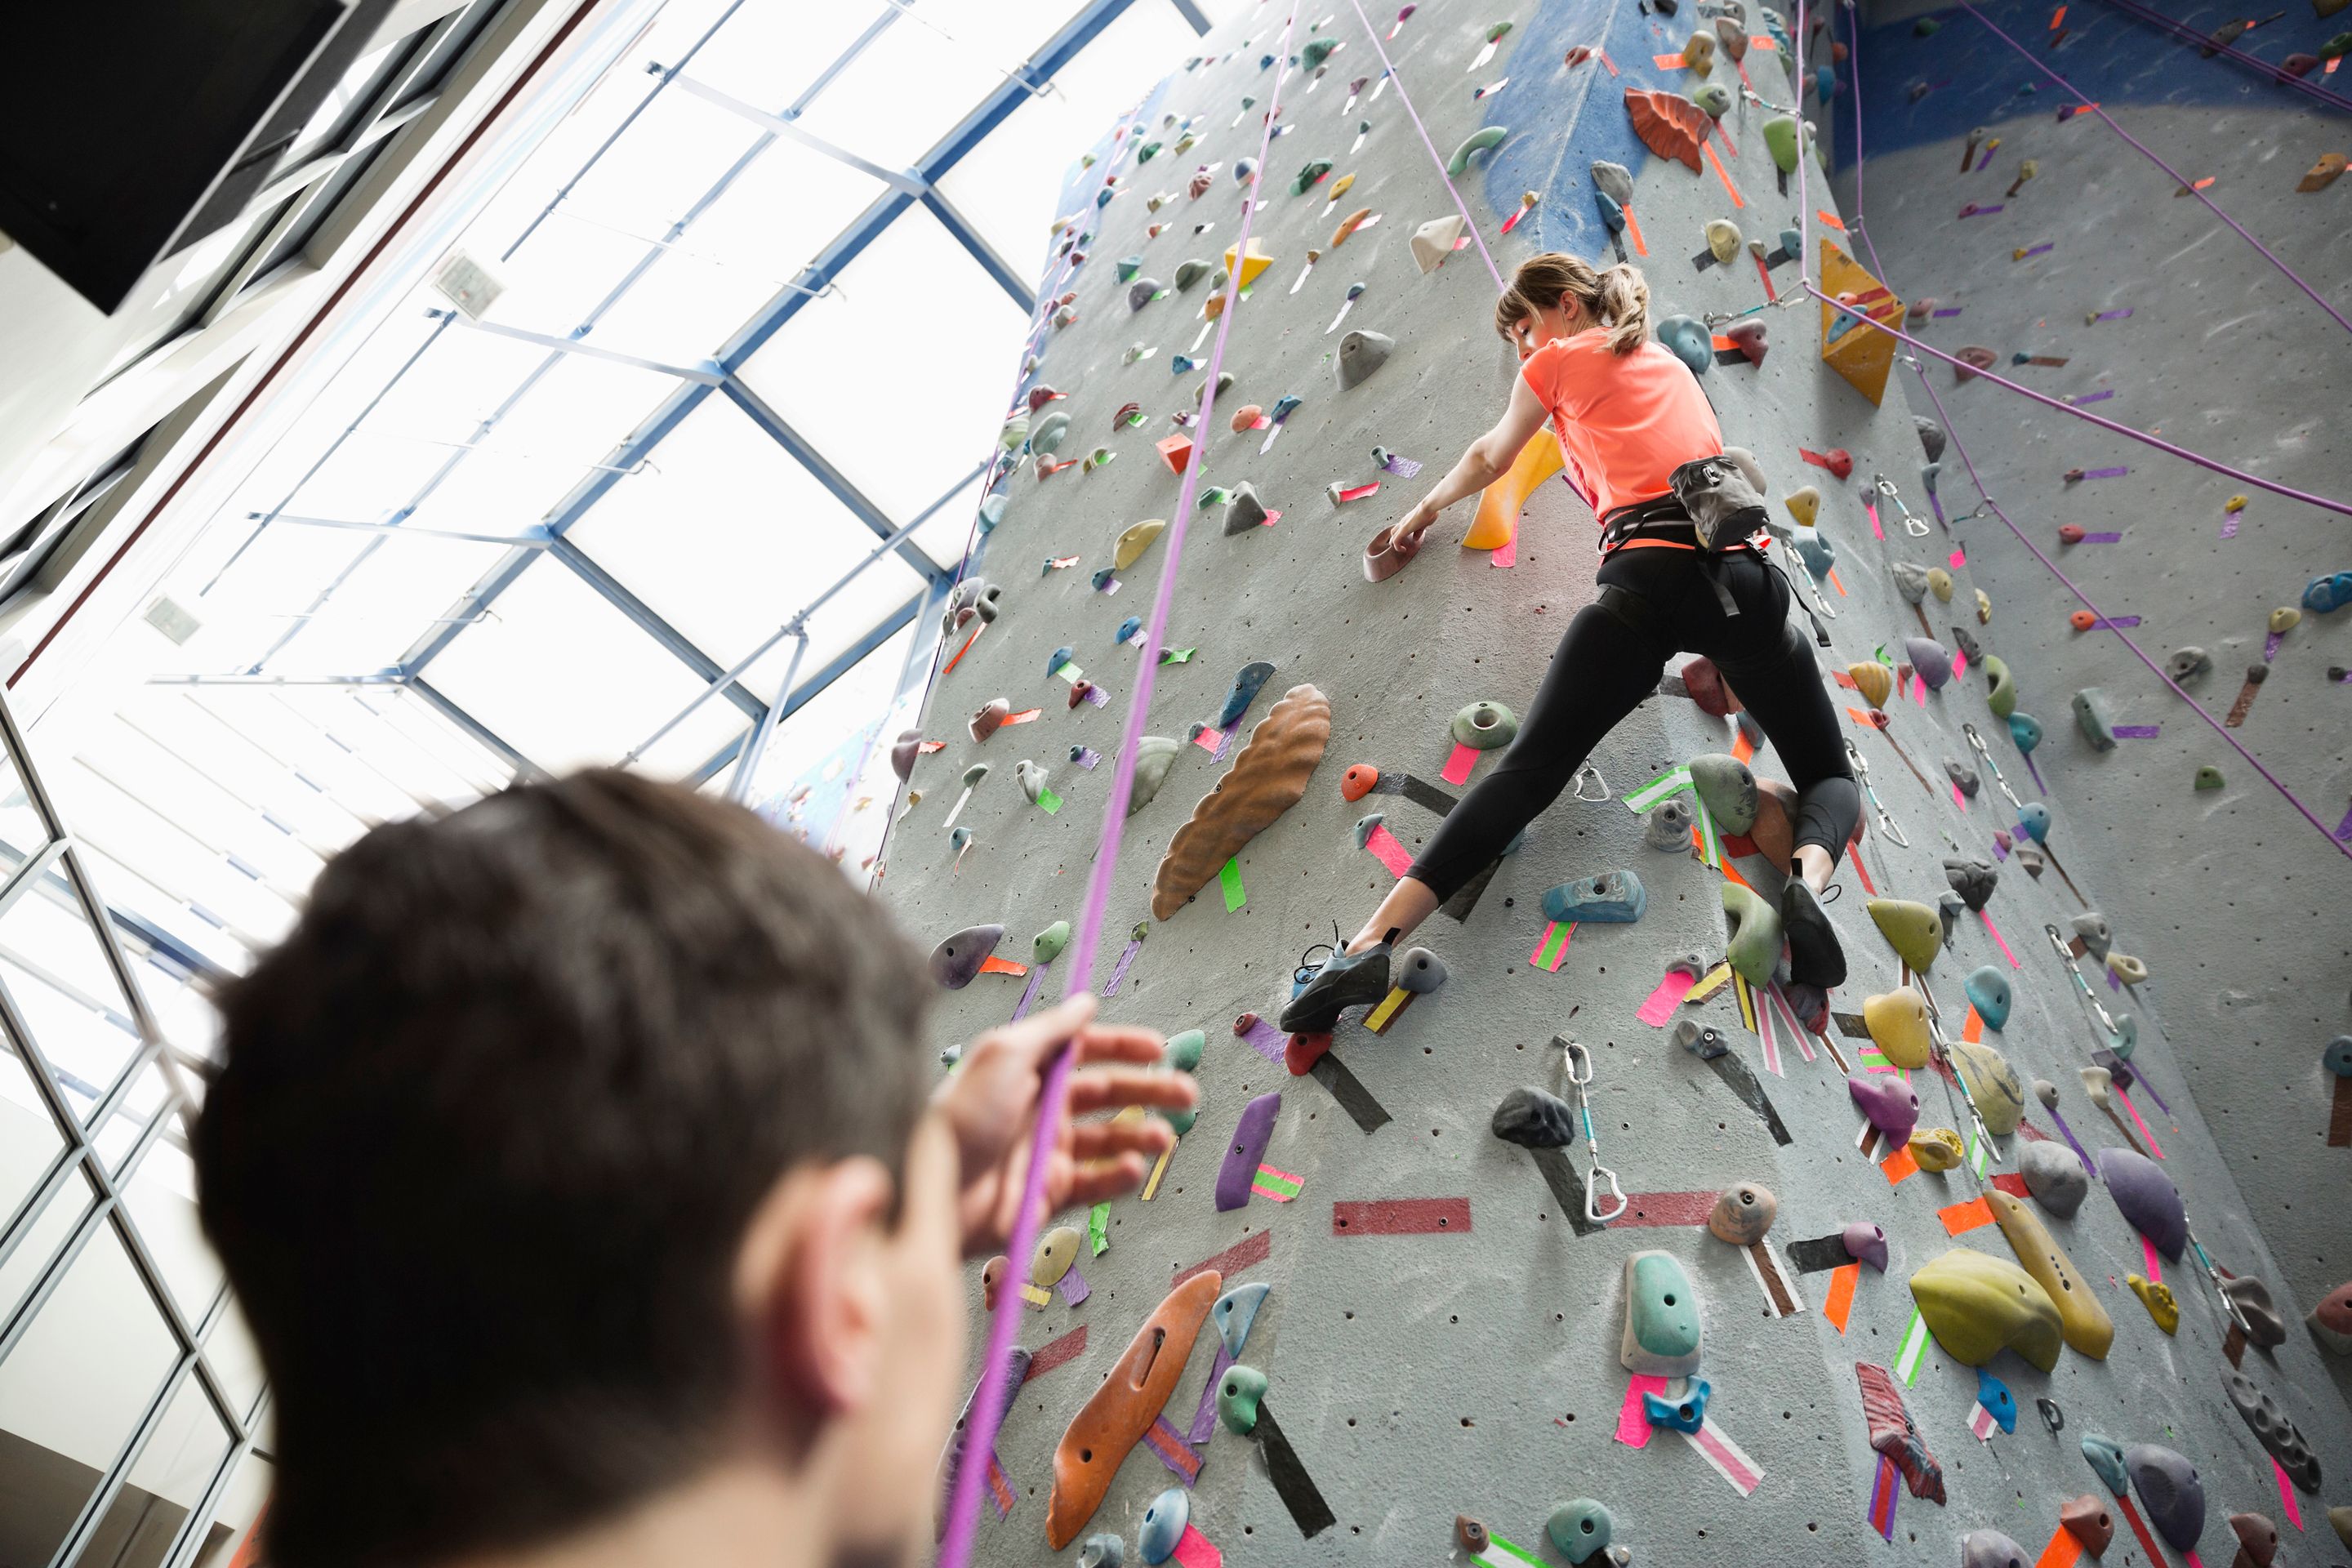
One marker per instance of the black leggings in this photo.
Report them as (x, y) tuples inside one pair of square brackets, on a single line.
[(1611, 659)]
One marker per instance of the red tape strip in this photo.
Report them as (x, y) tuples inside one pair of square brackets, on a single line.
[(1404, 1216)]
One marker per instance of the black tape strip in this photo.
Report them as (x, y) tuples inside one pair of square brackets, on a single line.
[(1822, 1252), (1567, 1188), (1292, 1484), (1460, 905), (1738, 1078), (1350, 1091), (1426, 796), (1851, 1025), (1729, 356)]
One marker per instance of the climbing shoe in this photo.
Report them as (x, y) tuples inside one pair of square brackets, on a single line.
[(1348, 979), (1814, 957)]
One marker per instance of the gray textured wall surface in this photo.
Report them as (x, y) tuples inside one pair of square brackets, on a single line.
[(2234, 900), (1425, 1375)]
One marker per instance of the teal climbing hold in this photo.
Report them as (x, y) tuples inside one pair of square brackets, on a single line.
[(2034, 818), (1163, 1524), (1688, 339), (2094, 719), (1662, 1332), (1182, 1052), (2024, 731), (1233, 1313), (1579, 1529), (1484, 140), (1612, 898), (1685, 1413), (1989, 993), (1238, 1393), (2106, 1456)]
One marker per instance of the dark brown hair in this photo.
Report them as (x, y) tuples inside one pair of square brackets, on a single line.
[(488, 1127)]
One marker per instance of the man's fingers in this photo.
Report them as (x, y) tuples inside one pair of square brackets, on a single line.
[(1102, 1140), (1030, 1039), (1119, 1043), (1099, 1088), (1099, 1181)]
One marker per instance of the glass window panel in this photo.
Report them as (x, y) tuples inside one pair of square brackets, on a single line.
[(682, 752), (30, 1145), (424, 726), (615, 684), (176, 717), (953, 527), (839, 370), (57, 974), (130, 830), (167, 1479), (118, 1135), (255, 712), (240, 1512), (21, 828), (395, 594), (162, 1198), (1006, 32), (223, 823), (768, 55), (781, 211), (75, 1385), (731, 536), (132, 891), (1009, 185), (235, 1359), (453, 386), (876, 596), (341, 107), (819, 747), (673, 153), (417, 772), (907, 90), (566, 269)]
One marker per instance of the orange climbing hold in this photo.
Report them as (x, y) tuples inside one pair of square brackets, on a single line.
[(1861, 353), (1669, 125), (1497, 522)]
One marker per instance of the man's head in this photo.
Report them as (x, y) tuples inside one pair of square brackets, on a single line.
[(571, 1148)]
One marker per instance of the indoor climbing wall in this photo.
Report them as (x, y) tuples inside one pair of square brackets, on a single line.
[(1436, 1354), (2130, 300)]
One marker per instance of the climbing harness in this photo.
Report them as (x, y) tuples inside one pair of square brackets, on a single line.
[(1895, 835), (1984, 755), (1591, 774), (1885, 487), (1592, 1144), (2066, 957)]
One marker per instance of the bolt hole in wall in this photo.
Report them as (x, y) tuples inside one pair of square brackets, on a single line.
[(1683, 1128)]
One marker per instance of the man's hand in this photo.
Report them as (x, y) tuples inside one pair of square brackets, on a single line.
[(990, 1106)]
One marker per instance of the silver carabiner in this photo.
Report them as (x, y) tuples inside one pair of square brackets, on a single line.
[(1589, 771), (1601, 1174), (1885, 487), (1886, 824)]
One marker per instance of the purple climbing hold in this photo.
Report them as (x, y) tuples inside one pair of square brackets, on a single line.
[(2168, 1484), (957, 958), (2146, 1198), (1866, 1243), (1932, 663), (1889, 1103), (1245, 1151)]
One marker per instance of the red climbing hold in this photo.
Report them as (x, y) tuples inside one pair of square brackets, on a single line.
[(1358, 781), (1303, 1051), (1669, 125)]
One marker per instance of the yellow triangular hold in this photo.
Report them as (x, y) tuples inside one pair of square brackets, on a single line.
[(1255, 262), (1497, 522), (1861, 353)]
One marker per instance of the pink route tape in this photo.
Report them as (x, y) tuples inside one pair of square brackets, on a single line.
[(1505, 555), (2155, 1265), (1194, 1550), (1388, 851), (2286, 1496), (1870, 510), (1994, 931), (1632, 1420), (2144, 1132), (1458, 765), (1676, 986)]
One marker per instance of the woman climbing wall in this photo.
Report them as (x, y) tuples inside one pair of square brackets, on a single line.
[(1640, 439)]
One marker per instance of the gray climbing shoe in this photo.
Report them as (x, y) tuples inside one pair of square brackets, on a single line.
[(1349, 980)]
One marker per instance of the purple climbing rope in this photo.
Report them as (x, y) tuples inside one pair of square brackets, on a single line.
[(1952, 430), (1415, 115), (2183, 181), (989, 1401), (2183, 31)]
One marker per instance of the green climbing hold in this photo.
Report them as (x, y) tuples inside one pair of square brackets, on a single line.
[(1728, 789), (2092, 717), (1925, 27), (1127, 266), (1313, 172), (1661, 1337), (1484, 140), (1712, 97), (2002, 695), (1579, 1529), (1911, 930), (1483, 726), (1048, 945), (1238, 1393), (2208, 777), (1182, 1052), (1317, 51), (1189, 273), (1976, 1305), (1780, 139), (1755, 946)]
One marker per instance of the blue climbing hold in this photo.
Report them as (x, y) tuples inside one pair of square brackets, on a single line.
[(2338, 1057), (2106, 1456), (1061, 655), (1686, 1414), (2323, 595), (1182, 363), (1103, 196), (1282, 408), (2033, 821), (1244, 690), (1612, 898), (1127, 628), (1163, 1524), (1999, 1403), (1235, 1310), (991, 512), (1818, 553), (2025, 731), (1612, 214), (1988, 991)]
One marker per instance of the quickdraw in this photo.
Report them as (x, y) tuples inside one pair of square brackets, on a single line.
[(1886, 487), (1887, 825), (1944, 1055), (1592, 774), (1984, 755), (2066, 957), (1599, 1173)]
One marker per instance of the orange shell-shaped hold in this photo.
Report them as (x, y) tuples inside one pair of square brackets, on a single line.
[(1123, 1409), (1669, 125), (1348, 226), (1247, 416), (1267, 779), (1358, 781)]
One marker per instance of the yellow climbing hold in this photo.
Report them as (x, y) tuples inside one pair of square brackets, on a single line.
[(1254, 262), (1978, 1306), (1897, 1021), (1497, 522)]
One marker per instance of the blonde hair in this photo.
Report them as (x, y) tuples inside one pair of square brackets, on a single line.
[(1619, 299)]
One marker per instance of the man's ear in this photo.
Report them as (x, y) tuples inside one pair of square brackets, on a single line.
[(810, 1281)]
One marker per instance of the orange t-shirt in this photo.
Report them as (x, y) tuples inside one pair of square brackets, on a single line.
[(1625, 422)]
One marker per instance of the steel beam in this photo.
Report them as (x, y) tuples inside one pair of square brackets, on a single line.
[(821, 467), (904, 180), (708, 374), (480, 732), (991, 263), (531, 540), (841, 664), (615, 593), (1195, 17)]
